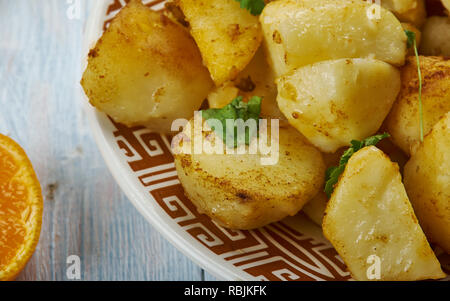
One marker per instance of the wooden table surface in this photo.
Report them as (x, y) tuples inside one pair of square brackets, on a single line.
[(86, 214)]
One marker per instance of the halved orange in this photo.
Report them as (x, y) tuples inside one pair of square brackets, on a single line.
[(21, 207)]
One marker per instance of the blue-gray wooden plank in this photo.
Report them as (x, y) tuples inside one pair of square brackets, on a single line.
[(85, 213)]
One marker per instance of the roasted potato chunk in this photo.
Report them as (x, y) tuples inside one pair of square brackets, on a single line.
[(238, 192), (446, 4), (403, 122), (410, 11), (146, 70), (334, 102), (427, 182), (315, 208), (298, 33), (223, 95), (256, 79), (369, 214), (227, 35), (436, 36)]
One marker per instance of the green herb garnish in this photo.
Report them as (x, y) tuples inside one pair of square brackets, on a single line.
[(333, 173), (237, 109), (411, 38), (254, 6), (411, 42)]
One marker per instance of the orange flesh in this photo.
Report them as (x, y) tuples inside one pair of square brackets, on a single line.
[(13, 201)]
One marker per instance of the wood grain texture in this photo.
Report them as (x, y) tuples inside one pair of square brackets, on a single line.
[(85, 212)]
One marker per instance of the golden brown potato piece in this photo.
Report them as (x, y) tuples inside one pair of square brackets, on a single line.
[(146, 70), (436, 36), (257, 79), (427, 182), (315, 208), (223, 95), (227, 35), (410, 11), (369, 216), (240, 193), (298, 33), (334, 102), (446, 4), (403, 122)]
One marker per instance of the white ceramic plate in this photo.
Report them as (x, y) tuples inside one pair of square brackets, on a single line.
[(141, 163)]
